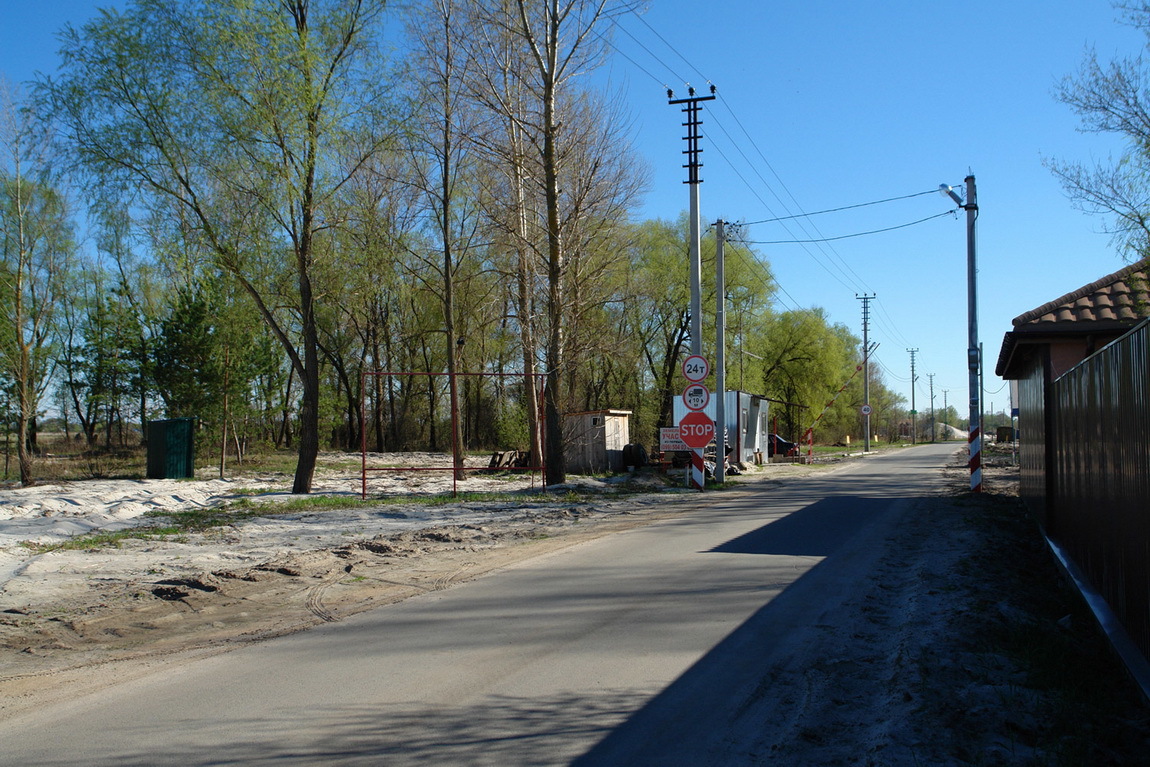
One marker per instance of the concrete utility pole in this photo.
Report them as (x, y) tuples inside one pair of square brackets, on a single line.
[(720, 353), (913, 412), (973, 348), (691, 108), (866, 367), (946, 412), (931, 377)]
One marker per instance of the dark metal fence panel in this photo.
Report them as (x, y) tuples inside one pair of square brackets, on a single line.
[(1099, 508), (1032, 445)]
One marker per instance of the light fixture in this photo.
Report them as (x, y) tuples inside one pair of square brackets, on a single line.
[(946, 190)]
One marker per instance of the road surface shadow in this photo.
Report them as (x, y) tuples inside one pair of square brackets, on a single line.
[(704, 716), (815, 531)]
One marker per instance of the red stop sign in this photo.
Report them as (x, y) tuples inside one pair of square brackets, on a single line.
[(696, 429)]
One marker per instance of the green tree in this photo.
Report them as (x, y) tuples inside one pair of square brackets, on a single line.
[(806, 361), (36, 250), (189, 368), (249, 115)]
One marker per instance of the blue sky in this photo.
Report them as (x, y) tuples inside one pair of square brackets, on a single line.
[(824, 104)]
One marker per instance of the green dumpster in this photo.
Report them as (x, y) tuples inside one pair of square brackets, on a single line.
[(172, 449)]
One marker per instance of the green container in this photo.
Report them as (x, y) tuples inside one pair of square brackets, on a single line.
[(172, 449)]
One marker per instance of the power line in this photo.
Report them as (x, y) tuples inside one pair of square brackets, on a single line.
[(848, 236), (845, 207), (853, 281), (830, 251), (849, 279), (754, 191), (674, 50), (642, 69), (650, 53)]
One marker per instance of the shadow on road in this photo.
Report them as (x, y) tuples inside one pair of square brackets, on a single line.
[(815, 531), (702, 717)]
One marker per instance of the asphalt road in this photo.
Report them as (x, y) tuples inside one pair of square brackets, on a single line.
[(638, 648)]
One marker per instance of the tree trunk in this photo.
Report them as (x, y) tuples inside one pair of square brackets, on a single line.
[(553, 399)]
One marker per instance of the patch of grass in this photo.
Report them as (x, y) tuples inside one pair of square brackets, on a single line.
[(295, 503), (174, 525), (93, 541)]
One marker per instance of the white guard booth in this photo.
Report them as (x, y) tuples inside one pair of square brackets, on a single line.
[(747, 425)]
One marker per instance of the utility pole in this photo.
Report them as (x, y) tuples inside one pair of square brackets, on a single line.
[(866, 367), (931, 377), (946, 412), (691, 108), (720, 354), (973, 348), (913, 412)]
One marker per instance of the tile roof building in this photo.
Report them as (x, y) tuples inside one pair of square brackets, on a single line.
[(1079, 323)]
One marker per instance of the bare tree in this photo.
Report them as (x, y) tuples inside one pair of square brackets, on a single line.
[(1114, 97), (442, 166), (532, 52)]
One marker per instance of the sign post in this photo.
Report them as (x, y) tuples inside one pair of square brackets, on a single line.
[(696, 368)]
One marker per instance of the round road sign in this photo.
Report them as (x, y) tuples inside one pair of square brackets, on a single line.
[(697, 430), (866, 410), (696, 396), (696, 368)]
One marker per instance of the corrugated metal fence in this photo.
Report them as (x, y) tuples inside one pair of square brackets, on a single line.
[(1099, 478)]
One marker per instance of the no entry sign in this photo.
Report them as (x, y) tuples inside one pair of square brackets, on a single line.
[(697, 430)]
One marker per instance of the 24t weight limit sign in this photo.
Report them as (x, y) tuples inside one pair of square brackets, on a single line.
[(696, 368)]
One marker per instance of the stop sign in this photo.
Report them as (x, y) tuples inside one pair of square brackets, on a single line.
[(696, 429)]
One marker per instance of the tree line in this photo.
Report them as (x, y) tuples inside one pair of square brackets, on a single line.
[(277, 197)]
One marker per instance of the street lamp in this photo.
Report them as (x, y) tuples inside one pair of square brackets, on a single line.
[(970, 205)]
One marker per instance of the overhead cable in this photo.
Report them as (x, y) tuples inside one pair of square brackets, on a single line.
[(845, 207), (848, 236)]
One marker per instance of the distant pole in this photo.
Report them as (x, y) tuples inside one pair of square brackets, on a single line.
[(691, 109), (931, 377), (720, 354), (946, 413), (866, 368), (913, 412)]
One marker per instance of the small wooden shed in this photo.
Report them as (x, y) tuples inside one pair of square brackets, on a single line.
[(595, 439)]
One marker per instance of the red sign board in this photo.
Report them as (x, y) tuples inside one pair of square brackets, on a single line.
[(696, 429)]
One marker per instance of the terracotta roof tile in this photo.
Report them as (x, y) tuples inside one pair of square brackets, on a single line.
[(1123, 296)]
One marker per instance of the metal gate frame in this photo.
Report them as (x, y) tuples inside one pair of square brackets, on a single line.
[(456, 449)]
